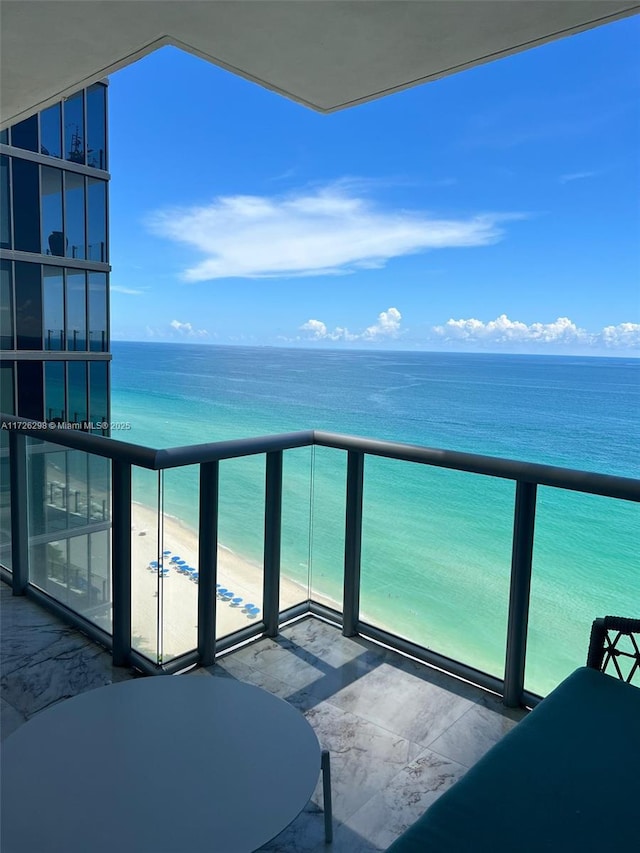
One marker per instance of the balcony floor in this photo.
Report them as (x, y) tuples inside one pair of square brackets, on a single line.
[(399, 733)]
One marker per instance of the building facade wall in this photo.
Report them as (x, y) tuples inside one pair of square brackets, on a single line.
[(54, 336)]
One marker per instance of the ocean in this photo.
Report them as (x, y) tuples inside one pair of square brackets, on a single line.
[(436, 544)]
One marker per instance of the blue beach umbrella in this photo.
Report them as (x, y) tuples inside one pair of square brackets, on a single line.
[(236, 601)]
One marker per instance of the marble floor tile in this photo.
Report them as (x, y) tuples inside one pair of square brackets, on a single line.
[(326, 642), (404, 702), (405, 798), (364, 757), (482, 726)]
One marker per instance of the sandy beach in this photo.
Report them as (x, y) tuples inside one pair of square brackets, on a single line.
[(172, 601)]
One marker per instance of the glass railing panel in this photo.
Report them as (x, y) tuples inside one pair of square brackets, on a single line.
[(585, 565), (241, 543), (69, 533), (295, 554), (327, 531), (146, 549), (436, 555), (178, 571), (5, 501)]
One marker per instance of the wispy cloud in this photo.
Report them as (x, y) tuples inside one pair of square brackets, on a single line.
[(187, 330), (129, 291), (386, 326), (330, 230), (576, 176), (504, 332)]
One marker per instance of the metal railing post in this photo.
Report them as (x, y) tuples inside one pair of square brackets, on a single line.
[(272, 542), (207, 562), (519, 591), (121, 561), (352, 543), (19, 512)]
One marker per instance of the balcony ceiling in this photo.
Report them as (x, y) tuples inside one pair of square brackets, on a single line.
[(325, 54)]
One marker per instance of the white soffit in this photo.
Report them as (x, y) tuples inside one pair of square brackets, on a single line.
[(325, 54)]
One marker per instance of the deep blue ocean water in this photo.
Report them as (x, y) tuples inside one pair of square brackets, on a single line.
[(436, 544)]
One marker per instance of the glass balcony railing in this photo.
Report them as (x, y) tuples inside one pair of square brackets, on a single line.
[(170, 556)]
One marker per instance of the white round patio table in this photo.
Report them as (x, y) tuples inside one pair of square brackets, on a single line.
[(168, 764)]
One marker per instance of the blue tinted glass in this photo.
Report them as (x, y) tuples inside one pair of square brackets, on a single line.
[(5, 207), (96, 126), (30, 402), (6, 306), (77, 390), (74, 128), (98, 411), (54, 394), (4, 136), (26, 206), (53, 299), (97, 216), (51, 210), (74, 215), (25, 134), (6, 389), (98, 338), (28, 296), (51, 131), (76, 311)]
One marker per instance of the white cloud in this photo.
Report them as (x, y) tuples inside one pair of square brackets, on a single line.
[(329, 231), (187, 330), (576, 176), (118, 288), (564, 332), (387, 326)]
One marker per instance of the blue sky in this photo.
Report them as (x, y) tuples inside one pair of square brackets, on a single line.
[(494, 210)]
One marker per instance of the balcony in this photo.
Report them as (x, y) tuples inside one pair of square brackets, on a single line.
[(402, 717)]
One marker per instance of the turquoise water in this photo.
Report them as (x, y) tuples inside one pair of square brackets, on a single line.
[(436, 544)]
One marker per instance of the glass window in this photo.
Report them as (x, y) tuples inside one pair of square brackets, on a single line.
[(50, 131), (76, 310), (74, 215), (97, 126), (5, 207), (74, 128), (4, 136), (54, 393), (53, 300), (97, 215), (30, 390), (28, 296), (26, 206), (6, 388), (51, 209), (77, 390), (6, 306), (98, 393), (98, 339), (25, 134)]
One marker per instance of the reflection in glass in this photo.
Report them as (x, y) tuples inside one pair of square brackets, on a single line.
[(30, 402), (50, 131), (6, 389), (4, 136), (26, 206), (99, 488), (78, 481), (6, 306), (5, 487), (74, 128), (98, 312), (74, 215), (5, 207), (97, 216), (25, 134), (51, 207), (28, 305), (54, 394), (76, 311), (56, 492), (53, 298), (98, 412), (77, 388), (96, 126)]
